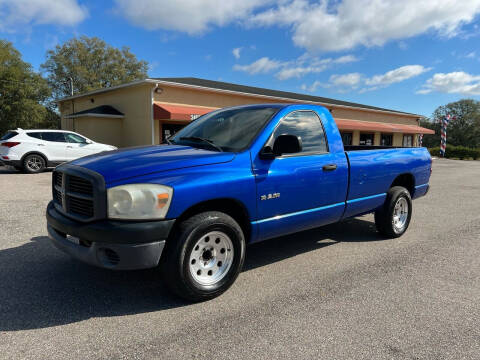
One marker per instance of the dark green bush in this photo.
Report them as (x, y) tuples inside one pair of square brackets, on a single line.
[(458, 152)]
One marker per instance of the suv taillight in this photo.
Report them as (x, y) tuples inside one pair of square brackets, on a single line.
[(10, 144)]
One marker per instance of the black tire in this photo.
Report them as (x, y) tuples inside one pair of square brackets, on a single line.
[(175, 264), (34, 164), (384, 217)]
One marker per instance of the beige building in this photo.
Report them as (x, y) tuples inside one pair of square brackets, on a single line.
[(146, 111)]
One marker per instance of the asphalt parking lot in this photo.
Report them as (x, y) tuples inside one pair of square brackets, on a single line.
[(340, 292)]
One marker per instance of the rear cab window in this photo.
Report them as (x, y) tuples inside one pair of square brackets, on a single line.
[(9, 135)]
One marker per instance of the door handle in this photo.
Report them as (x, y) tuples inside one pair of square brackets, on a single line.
[(69, 147), (41, 144), (329, 167)]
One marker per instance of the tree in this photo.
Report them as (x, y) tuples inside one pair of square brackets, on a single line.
[(92, 64), (23, 93), (464, 126)]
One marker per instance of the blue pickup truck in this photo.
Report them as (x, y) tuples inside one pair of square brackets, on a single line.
[(232, 177)]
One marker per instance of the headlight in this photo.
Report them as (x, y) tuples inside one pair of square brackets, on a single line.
[(139, 201)]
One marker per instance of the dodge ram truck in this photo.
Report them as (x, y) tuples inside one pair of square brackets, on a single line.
[(231, 177)]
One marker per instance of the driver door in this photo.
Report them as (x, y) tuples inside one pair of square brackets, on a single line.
[(301, 190)]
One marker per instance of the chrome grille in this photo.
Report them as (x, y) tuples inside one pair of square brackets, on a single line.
[(78, 194)]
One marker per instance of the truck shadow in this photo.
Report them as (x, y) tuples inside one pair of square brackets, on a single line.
[(41, 287)]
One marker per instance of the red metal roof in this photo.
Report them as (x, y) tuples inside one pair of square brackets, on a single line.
[(162, 111), (347, 124)]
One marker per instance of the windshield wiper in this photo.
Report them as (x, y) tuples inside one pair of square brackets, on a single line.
[(200, 139)]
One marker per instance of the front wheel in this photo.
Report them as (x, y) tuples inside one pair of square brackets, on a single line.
[(393, 218), (204, 257)]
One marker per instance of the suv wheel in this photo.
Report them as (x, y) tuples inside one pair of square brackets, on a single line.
[(204, 257), (34, 163)]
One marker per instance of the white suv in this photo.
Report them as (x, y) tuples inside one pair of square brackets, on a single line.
[(35, 150)]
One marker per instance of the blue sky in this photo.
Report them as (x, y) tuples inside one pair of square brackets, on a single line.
[(408, 55)]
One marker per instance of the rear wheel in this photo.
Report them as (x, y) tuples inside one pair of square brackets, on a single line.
[(204, 257), (393, 219), (34, 163)]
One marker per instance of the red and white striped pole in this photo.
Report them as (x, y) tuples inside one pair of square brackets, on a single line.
[(443, 140)]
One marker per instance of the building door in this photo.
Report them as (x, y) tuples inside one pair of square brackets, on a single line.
[(170, 130)]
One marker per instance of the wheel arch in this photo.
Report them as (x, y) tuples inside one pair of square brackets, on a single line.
[(407, 180), (232, 207)]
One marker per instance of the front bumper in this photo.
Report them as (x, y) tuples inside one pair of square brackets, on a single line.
[(117, 245)]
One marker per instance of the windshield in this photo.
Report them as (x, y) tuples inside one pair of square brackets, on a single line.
[(225, 130)]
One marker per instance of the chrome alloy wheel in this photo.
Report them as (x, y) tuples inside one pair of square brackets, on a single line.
[(34, 163), (211, 258), (400, 214)]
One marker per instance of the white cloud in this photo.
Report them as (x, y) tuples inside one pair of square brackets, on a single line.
[(397, 75), (18, 14), (236, 52), (189, 16), (261, 66), (351, 80), (340, 25), (458, 82), (471, 55), (297, 68), (346, 59), (354, 81)]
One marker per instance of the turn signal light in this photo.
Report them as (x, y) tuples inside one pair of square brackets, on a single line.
[(10, 144)]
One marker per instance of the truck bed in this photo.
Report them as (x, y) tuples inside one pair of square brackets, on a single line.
[(370, 181)]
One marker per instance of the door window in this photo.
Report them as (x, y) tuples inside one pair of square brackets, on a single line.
[(53, 136), (74, 138), (307, 126), (36, 135), (366, 139)]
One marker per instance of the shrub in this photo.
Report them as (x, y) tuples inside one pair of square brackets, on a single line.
[(459, 152)]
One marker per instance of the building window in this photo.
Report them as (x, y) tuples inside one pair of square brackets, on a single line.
[(366, 139), (386, 140), (347, 138), (407, 140)]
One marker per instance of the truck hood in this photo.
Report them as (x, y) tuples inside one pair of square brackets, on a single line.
[(139, 161)]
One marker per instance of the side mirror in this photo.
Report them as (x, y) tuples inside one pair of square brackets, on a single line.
[(287, 144), (88, 141), (284, 144)]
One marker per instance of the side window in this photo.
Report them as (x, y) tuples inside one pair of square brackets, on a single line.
[(36, 135), (307, 126), (53, 136), (74, 138)]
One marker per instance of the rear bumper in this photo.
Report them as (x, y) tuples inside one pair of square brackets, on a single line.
[(109, 244)]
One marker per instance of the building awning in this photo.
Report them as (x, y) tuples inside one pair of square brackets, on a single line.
[(347, 124), (162, 111), (104, 111)]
